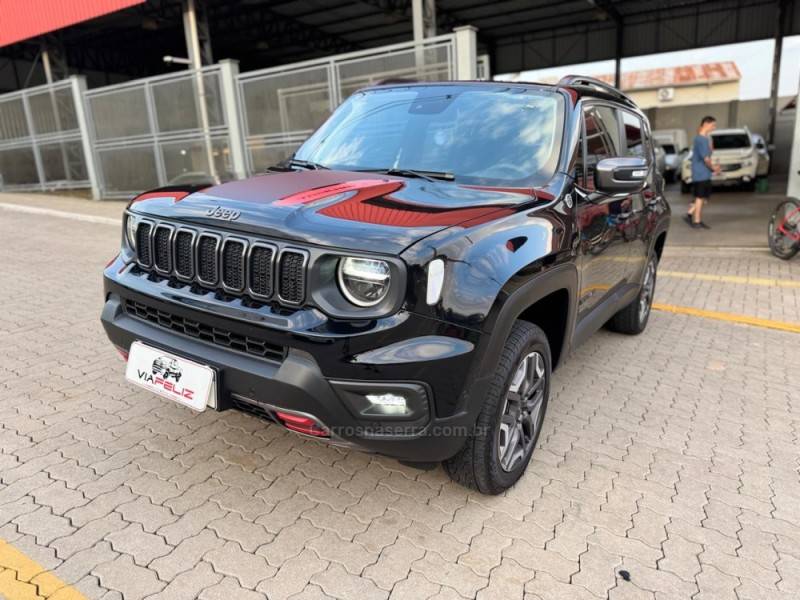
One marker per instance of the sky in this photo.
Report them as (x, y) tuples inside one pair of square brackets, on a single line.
[(754, 60)]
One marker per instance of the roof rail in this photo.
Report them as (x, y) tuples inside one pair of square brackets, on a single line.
[(582, 80)]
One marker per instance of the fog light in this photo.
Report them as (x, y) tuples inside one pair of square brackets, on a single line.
[(384, 401), (386, 404)]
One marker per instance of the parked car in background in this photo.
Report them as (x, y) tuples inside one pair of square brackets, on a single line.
[(763, 154), (675, 145), (661, 158), (735, 153)]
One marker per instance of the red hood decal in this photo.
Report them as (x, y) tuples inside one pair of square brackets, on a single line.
[(175, 195), (372, 203), (398, 213), (369, 212), (366, 188)]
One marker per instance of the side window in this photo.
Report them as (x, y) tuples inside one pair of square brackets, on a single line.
[(601, 129), (634, 137), (636, 143)]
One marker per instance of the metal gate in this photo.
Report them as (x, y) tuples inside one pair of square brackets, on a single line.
[(41, 141), (282, 106), (167, 129), (196, 125)]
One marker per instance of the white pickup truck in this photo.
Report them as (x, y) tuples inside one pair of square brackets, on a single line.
[(734, 151)]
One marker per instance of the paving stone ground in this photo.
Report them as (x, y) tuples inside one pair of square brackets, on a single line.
[(672, 456)]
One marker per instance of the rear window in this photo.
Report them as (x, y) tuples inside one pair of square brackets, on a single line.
[(729, 141)]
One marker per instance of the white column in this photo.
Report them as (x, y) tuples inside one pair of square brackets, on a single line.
[(78, 85), (228, 76), (794, 162), (466, 52), (196, 63), (423, 16)]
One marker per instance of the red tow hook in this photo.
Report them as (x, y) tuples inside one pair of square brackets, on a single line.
[(301, 424)]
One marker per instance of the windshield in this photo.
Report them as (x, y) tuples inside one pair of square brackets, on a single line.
[(729, 141), (669, 148), (479, 135)]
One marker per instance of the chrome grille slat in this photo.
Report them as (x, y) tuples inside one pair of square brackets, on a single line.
[(261, 266), (292, 276), (208, 259), (184, 254), (162, 248), (234, 264), (143, 247), (233, 253)]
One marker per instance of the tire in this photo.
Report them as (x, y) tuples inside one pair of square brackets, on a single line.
[(779, 245), (632, 319), (478, 464), (685, 187)]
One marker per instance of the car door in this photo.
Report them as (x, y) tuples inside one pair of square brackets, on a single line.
[(637, 143), (603, 249)]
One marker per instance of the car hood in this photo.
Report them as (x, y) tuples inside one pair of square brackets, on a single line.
[(344, 209)]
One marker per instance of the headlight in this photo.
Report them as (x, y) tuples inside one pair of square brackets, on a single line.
[(364, 281), (130, 230)]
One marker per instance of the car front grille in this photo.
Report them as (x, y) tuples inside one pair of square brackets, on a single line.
[(184, 254), (731, 167), (233, 265), (261, 267), (236, 265), (292, 277), (207, 264), (143, 244), (248, 344), (162, 253)]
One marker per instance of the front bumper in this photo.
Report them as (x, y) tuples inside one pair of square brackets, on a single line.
[(727, 178), (320, 375)]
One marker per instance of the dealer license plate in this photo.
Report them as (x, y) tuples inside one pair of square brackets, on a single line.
[(173, 377)]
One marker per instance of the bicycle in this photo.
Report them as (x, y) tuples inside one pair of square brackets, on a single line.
[(784, 229)]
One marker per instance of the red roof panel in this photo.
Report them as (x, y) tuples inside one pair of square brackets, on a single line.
[(24, 19)]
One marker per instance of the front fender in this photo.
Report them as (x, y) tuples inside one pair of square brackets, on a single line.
[(485, 265)]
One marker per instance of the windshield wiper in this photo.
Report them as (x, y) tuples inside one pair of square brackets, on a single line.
[(306, 164), (427, 175)]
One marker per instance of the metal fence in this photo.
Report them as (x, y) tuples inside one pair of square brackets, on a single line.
[(214, 122), (282, 106), (41, 138), (161, 130)]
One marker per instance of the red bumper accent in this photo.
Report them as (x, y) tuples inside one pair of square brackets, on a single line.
[(302, 424)]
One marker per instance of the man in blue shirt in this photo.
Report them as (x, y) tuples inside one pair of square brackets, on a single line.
[(702, 169)]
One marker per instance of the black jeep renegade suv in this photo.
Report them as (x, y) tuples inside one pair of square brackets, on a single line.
[(408, 280)]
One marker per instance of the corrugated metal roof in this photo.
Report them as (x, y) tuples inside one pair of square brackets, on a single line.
[(517, 34)]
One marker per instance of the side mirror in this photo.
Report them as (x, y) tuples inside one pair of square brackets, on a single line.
[(619, 175)]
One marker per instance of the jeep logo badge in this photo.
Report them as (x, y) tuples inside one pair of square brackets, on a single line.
[(223, 213)]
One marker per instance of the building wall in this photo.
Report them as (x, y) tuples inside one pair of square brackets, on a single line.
[(739, 113), (688, 94)]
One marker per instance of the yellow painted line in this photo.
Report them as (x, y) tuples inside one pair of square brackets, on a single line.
[(740, 279), (729, 317), (24, 579)]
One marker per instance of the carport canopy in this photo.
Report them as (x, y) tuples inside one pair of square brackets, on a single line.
[(516, 34)]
